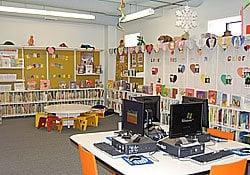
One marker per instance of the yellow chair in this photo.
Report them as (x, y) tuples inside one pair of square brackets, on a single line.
[(38, 116), (92, 118), (99, 112), (62, 120), (81, 123), (235, 168)]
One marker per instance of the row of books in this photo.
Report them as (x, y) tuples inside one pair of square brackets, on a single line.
[(36, 96), (229, 117), (21, 109)]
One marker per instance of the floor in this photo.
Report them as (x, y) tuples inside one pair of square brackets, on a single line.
[(26, 150)]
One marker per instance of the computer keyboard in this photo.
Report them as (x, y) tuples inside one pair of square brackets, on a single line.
[(208, 157), (111, 150)]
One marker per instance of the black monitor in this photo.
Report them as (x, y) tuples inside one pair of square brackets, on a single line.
[(185, 119), (205, 111), (133, 116), (151, 108)]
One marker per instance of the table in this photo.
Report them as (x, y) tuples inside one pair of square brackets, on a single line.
[(67, 110), (165, 165)]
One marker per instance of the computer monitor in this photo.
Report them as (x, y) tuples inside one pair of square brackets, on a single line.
[(185, 119), (205, 111), (151, 108), (133, 116)]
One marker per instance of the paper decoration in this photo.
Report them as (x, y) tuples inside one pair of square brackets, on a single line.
[(50, 50), (154, 70), (189, 92), (205, 79), (186, 18), (236, 101), (181, 68), (211, 42), (44, 84), (226, 79), (31, 41), (201, 94), (173, 78), (195, 68), (31, 85), (224, 42), (238, 41), (149, 48)]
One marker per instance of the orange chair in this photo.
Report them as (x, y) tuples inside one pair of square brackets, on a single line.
[(235, 168), (221, 134), (52, 122), (88, 162)]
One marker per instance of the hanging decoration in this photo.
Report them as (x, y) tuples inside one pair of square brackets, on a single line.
[(140, 40), (224, 42), (121, 9), (149, 48), (238, 41), (180, 45), (186, 19), (200, 44), (211, 42)]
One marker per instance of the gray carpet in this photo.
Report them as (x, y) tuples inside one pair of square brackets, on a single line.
[(25, 150)]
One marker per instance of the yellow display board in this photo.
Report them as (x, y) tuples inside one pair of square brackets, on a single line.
[(93, 59), (137, 61), (61, 68), (121, 65), (35, 65)]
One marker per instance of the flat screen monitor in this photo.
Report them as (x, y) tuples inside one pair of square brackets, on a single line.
[(151, 107), (185, 119), (205, 111), (133, 116)]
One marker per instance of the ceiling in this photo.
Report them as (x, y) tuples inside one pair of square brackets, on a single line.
[(104, 10)]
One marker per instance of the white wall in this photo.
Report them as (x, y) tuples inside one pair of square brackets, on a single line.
[(210, 9), (50, 33)]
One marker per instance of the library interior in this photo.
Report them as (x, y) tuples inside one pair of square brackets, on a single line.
[(89, 87)]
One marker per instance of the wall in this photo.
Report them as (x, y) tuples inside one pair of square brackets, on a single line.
[(210, 9), (52, 33)]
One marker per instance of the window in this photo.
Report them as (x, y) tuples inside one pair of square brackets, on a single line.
[(131, 39), (219, 26)]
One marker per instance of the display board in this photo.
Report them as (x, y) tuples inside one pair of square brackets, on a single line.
[(61, 68)]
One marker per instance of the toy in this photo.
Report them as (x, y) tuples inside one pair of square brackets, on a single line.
[(31, 41), (165, 38), (87, 46)]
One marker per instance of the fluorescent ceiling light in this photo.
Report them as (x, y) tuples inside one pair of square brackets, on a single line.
[(137, 15), (45, 12)]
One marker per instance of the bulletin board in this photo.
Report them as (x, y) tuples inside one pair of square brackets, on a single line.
[(35, 67), (96, 62), (61, 68), (121, 63)]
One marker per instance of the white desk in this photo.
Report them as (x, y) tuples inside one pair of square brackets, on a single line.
[(166, 165), (67, 110)]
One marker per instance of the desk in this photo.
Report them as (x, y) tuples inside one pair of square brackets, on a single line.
[(166, 165), (67, 110)]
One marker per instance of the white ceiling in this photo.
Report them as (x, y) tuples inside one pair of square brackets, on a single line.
[(105, 10)]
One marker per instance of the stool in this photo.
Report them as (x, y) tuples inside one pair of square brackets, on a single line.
[(60, 126), (41, 122), (52, 122), (99, 112), (81, 123), (37, 117)]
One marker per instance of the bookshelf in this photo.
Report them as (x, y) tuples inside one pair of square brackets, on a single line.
[(28, 102)]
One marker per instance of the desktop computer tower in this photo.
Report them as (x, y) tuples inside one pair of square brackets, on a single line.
[(144, 145), (169, 146)]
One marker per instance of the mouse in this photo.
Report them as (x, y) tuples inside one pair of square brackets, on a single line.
[(133, 158)]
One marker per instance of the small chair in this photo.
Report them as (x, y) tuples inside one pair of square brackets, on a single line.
[(42, 122), (53, 122), (235, 168), (92, 118), (62, 120), (38, 116), (81, 123), (221, 134)]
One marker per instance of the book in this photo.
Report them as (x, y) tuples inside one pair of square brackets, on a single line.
[(72, 85), (219, 98), (201, 94), (62, 85), (212, 96), (225, 100), (243, 120), (189, 92), (31, 85), (19, 86), (158, 89), (236, 101), (88, 69), (174, 93), (44, 84)]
